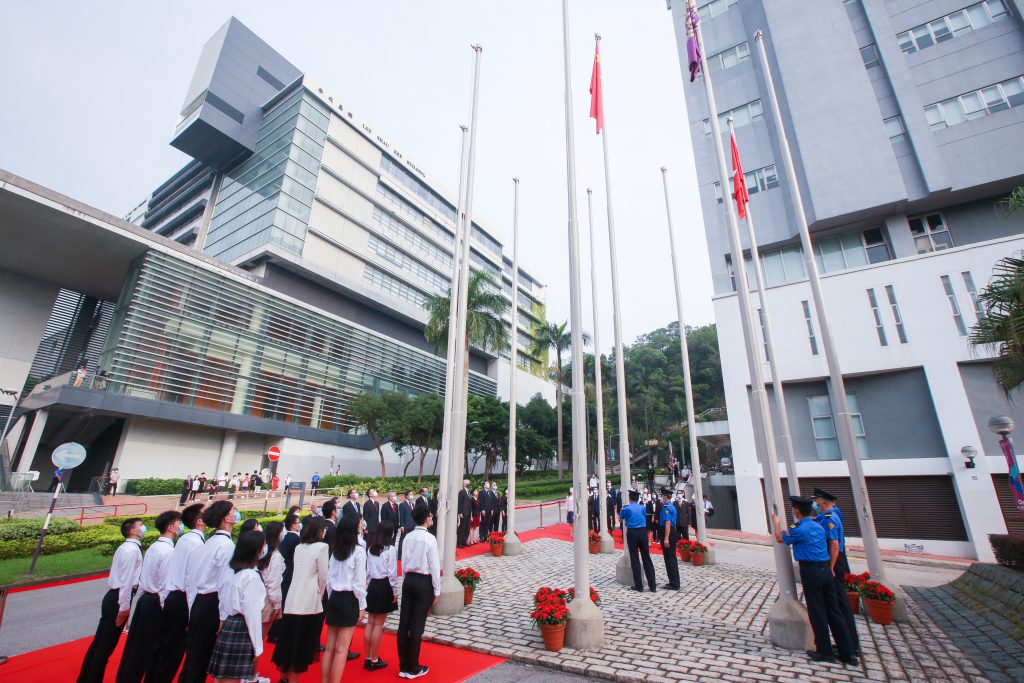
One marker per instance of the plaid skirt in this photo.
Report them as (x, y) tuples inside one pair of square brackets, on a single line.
[(233, 654)]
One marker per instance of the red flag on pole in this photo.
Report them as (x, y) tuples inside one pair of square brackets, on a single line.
[(738, 181), (596, 101)]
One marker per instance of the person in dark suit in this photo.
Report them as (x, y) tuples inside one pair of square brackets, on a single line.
[(389, 511), (405, 523), (329, 512), (682, 515), (611, 498), (371, 513), (486, 510), (287, 550), (594, 510), (465, 513), (503, 511), (352, 504), (434, 504)]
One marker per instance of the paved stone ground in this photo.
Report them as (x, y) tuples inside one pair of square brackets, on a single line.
[(715, 627)]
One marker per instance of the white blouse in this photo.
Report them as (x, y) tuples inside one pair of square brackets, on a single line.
[(272, 578), (349, 575), (245, 595), (383, 566), (309, 578)]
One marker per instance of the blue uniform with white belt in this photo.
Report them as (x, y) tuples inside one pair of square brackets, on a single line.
[(668, 515), (635, 518), (832, 523)]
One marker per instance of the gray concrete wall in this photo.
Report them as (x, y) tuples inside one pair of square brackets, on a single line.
[(25, 306), (988, 400)]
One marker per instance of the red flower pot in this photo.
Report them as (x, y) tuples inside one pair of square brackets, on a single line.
[(553, 635), (880, 611), (684, 554), (854, 598), (497, 549), (467, 595), (697, 559), (595, 548)]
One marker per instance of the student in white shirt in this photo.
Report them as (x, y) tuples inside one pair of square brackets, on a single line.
[(298, 641), (117, 603), (203, 584), (240, 639), (174, 619), (144, 633), (346, 596), (381, 591), (271, 567), (420, 591)]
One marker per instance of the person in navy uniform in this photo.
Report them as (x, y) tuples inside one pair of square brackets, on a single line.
[(670, 536), (635, 520), (831, 521), (809, 549)]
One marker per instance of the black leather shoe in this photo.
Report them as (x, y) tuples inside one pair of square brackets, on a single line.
[(819, 657), (850, 661), (638, 590), (670, 587), (379, 664), (354, 655)]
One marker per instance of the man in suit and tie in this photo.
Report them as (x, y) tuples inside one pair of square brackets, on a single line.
[(465, 512), (405, 524), (682, 514), (371, 513), (352, 504), (611, 497), (594, 509), (433, 505), (486, 511), (329, 511), (389, 511)]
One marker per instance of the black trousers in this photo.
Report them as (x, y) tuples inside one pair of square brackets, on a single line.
[(636, 543), (143, 635), (203, 624), (504, 522), (103, 643), (842, 569), (671, 559), (823, 608), (417, 599), (170, 644), (463, 531)]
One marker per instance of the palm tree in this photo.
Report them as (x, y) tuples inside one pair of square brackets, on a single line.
[(1002, 324), (557, 337), (484, 326)]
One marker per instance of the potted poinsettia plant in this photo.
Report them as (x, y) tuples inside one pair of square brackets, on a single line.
[(497, 541), (570, 594), (550, 614), (469, 578), (594, 542), (684, 549), (697, 552), (853, 582), (879, 601)]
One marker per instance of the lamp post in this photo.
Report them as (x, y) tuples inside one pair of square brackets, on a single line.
[(1004, 426), (969, 453)]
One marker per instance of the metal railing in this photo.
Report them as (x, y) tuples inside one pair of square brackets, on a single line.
[(559, 517), (93, 512)]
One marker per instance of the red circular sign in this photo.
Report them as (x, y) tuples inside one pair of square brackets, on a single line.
[(273, 454)]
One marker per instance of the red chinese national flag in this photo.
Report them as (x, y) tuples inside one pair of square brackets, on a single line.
[(739, 183), (596, 101)]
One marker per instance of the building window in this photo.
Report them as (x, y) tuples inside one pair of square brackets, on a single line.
[(851, 250), (727, 59), (825, 439), (810, 327), (930, 233), (714, 8), (976, 104), (954, 305), (378, 279), (970, 18), (741, 116), (779, 266), (895, 307), (894, 127), (869, 54), (879, 327), (979, 313), (758, 180)]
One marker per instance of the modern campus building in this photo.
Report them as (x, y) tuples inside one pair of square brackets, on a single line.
[(906, 122), (281, 273)]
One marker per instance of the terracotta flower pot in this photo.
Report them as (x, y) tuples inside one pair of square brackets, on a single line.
[(497, 549), (467, 595), (697, 559), (854, 598), (553, 635), (880, 611), (684, 554), (595, 548)]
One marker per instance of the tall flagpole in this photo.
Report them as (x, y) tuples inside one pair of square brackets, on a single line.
[(840, 405), (586, 623), (512, 544), (787, 621), (788, 454), (607, 542), (451, 601), (691, 420), (445, 454)]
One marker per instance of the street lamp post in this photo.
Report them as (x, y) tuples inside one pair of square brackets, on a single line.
[(1004, 426)]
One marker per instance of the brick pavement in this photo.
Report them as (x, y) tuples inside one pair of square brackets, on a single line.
[(715, 627)]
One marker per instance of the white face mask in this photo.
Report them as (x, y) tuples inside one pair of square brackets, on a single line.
[(263, 553)]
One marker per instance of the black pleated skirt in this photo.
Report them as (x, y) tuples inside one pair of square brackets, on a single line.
[(380, 599), (342, 609), (298, 642)]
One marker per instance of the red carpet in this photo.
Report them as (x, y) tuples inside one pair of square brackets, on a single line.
[(447, 664)]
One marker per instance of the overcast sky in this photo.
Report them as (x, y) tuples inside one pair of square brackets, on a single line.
[(92, 90)]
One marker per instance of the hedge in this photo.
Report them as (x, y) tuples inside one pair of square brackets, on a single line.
[(98, 536), (153, 487), (20, 529), (1008, 549)]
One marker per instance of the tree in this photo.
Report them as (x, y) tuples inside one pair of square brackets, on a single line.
[(377, 415), (487, 430), (557, 337), (1002, 323), (538, 427), (484, 326), (418, 429)]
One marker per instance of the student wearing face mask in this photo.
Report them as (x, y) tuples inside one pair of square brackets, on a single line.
[(211, 570), (239, 642), (117, 603), (144, 633)]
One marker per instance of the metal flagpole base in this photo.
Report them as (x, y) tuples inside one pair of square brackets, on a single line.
[(789, 627), (899, 608), (453, 597), (607, 543), (709, 556), (623, 571), (513, 546), (585, 630)]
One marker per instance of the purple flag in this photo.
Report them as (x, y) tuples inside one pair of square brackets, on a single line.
[(1016, 483), (692, 47)]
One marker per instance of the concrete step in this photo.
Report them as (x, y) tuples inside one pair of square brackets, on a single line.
[(31, 502)]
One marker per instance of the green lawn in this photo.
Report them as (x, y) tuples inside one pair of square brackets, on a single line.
[(53, 566)]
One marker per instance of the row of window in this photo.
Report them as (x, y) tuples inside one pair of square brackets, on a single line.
[(417, 187), (952, 25), (976, 104), (727, 59), (713, 8), (741, 116), (954, 304), (411, 238), (414, 215), (398, 289), (438, 283), (758, 180)]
